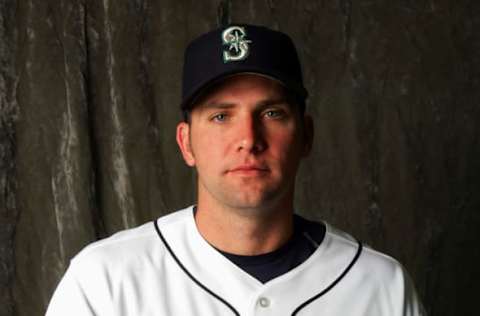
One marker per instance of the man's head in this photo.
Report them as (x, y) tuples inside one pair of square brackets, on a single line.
[(246, 131)]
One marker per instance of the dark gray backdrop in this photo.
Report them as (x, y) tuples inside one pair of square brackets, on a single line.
[(89, 92)]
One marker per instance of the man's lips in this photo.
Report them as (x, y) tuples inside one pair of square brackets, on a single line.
[(248, 169)]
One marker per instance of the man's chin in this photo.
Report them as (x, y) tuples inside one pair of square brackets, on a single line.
[(252, 205)]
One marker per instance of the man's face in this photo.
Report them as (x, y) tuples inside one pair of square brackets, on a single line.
[(246, 143)]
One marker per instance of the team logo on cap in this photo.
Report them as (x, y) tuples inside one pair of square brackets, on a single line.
[(237, 45)]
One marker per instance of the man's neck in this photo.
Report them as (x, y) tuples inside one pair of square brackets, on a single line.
[(244, 232)]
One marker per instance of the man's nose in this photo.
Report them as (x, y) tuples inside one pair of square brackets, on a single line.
[(250, 135)]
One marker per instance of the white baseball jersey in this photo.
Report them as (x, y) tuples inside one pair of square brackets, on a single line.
[(167, 268)]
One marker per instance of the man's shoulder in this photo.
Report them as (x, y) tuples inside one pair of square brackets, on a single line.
[(385, 267), (361, 271), (129, 246)]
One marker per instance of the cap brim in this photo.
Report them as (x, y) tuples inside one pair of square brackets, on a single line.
[(208, 84)]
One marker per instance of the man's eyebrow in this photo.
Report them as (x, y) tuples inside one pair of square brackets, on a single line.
[(217, 105), (228, 105), (270, 102)]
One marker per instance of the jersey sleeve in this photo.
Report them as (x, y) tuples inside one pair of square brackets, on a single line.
[(412, 303), (83, 291), (393, 290)]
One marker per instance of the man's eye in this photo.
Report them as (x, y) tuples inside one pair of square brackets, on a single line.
[(273, 113), (219, 117)]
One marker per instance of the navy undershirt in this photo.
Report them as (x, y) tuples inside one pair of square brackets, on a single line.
[(307, 235), (303, 243)]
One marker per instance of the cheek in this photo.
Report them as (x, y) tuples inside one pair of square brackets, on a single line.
[(286, 148), (286, 141), (207, 148)]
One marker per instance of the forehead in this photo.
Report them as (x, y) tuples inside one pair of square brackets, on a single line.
[(242, 87)]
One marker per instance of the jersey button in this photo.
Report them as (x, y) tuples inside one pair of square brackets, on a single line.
[(264, 302)]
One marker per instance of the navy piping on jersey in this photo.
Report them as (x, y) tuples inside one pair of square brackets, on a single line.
[(191, 276), (295, 312), (355, 258)]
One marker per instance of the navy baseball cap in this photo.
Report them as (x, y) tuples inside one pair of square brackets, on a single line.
[(236, 49)]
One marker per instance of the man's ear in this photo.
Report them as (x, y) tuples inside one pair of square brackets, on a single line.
[(308, 133), (183, 141)]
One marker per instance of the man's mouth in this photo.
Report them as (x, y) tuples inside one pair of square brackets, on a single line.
[(249, 170)]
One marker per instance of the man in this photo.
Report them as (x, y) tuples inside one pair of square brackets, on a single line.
[(240, 250)]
